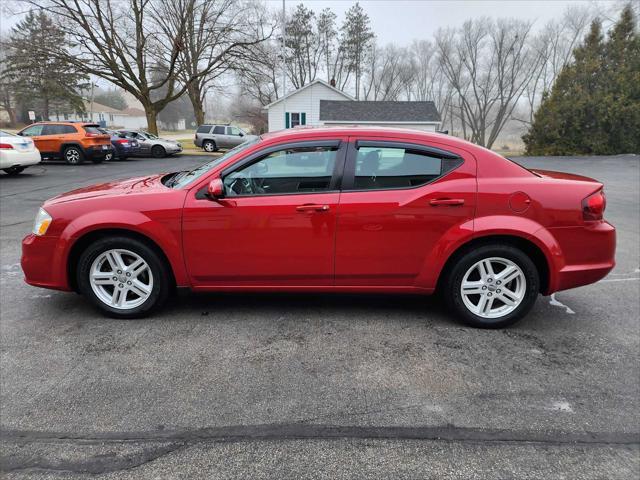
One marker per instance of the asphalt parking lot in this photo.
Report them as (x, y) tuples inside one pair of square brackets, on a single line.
[(318, 386)]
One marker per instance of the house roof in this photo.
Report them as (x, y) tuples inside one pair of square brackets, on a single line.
[(134, 112), (382, 112), (347, 96), (98, 107)]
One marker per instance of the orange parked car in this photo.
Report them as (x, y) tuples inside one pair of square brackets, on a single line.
[(71, 141)]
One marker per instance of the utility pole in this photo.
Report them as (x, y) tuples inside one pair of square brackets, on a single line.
[(91, 103), (284, 71)]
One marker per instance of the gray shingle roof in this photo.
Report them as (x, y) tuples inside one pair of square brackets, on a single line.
[(356, 111)]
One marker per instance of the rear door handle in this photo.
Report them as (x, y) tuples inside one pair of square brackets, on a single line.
[(450, 202), (312, 207)]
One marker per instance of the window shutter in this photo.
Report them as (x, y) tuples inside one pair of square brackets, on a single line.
[(286, 120), (303, 118)]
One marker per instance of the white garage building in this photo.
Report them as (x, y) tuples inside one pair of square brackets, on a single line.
[(318, 103)]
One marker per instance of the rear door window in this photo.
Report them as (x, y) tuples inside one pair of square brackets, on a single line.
[(219, 130), (385, 167)]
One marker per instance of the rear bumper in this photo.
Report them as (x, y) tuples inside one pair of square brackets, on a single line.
[(588, 254), (97, 152), (42, 263), (10, 159)]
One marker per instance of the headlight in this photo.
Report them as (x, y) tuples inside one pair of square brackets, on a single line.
[(43, 220)]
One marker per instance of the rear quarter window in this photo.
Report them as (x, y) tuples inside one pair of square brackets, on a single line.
[(95, 130)]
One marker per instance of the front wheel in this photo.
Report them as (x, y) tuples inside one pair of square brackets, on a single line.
[(492, 286), (123, 277), (158, 151), (108, 157)]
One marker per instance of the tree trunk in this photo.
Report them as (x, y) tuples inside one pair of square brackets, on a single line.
[(195, 95), (152, 119)]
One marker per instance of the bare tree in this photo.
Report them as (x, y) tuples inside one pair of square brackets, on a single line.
[(554, 45), (389, 73), (488, 64), (429, 81), (217, 33), (259, 73)]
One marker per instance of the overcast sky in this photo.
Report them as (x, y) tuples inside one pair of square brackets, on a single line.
[(401, 21)]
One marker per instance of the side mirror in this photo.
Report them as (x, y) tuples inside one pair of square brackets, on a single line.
[(20, 133), (241, 134), (215, 188)]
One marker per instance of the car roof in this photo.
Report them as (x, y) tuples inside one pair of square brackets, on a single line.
[(357, 130)]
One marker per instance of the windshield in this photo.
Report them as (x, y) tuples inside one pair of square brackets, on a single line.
[(188, 177)]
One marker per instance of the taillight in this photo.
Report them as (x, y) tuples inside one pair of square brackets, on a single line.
[(593, 206), (89, 134), (122, 141), (6, 146)]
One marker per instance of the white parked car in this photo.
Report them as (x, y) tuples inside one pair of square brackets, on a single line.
[(17, 153)]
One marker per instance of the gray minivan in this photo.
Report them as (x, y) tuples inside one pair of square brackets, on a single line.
[(213, 137)]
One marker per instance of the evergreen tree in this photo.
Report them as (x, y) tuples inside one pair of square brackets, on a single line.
[(357, 41), (39, 80), (594, 105)]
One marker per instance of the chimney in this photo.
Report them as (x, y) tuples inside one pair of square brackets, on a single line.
[(333, 82)]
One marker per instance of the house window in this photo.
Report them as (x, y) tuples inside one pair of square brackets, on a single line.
[(294, 119)]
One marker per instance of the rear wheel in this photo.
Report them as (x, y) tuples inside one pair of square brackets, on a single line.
[(492, 286), (123, 277), (14, 170), (158, 151), (73, 155), (108, 157), (209, 146)]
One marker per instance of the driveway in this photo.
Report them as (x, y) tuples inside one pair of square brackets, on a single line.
[(318, 386)]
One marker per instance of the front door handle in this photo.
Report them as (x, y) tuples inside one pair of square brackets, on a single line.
[(450, 202), (312, 207)]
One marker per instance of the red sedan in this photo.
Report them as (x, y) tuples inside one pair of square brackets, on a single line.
[(327, 209)]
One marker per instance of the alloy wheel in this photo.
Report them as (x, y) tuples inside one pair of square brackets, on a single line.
[(493, 287), (121, 279), (72, 155)]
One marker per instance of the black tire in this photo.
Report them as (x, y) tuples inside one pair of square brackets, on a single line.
[(158, 151), (209, 146), (159, 269), (454, 277), (73, 155), (14, 170)]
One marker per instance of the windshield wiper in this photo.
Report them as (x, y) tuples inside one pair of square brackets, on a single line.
[(173, 179)]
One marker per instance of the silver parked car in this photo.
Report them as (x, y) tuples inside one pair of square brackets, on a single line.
[(151, 145), (213, 137)]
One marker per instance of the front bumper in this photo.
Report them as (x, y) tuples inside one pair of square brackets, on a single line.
[(42, 263), (589, 254)]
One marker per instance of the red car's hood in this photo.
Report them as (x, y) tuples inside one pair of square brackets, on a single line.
[(117, 187), (562, 175)]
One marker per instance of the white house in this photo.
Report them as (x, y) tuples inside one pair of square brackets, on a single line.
[(302, 105), (132, 118), (319, 103)]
